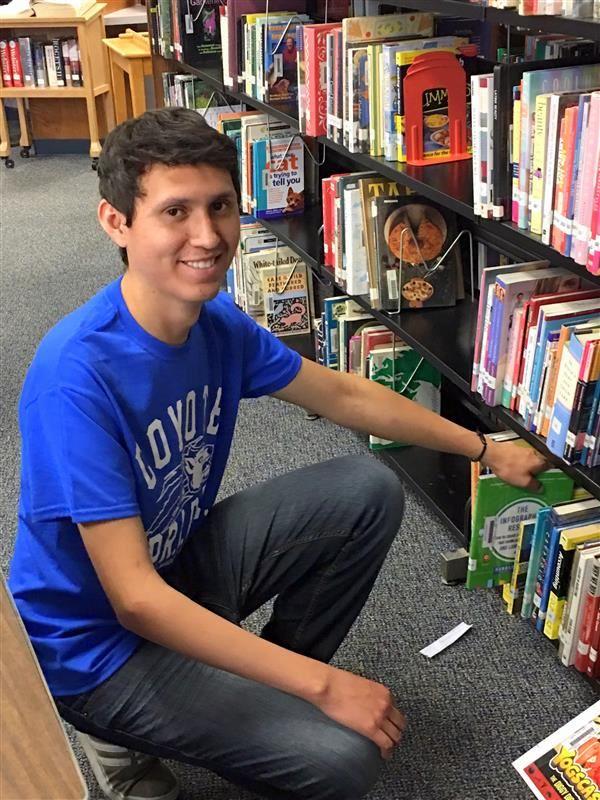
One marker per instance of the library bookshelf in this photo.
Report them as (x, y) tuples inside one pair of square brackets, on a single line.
[(88, 29), (445, 336)]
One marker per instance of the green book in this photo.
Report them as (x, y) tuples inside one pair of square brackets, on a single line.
[(404, 371), (498, 512)]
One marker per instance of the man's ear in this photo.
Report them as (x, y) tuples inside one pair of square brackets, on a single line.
[(113, 222)]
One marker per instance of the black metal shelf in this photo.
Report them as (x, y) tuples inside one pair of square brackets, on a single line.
[(444, 336), (569, 26), (440, 479), (449, 184)]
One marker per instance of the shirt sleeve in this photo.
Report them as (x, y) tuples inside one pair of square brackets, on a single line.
[(268, 364), (75, 463)]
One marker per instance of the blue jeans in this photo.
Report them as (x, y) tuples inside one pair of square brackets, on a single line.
[(315, 540)]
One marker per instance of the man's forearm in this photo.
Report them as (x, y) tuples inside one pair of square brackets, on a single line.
[(372, 408), (174, 621)]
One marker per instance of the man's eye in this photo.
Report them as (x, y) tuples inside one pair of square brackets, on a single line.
[(220, 205), (174, 212)]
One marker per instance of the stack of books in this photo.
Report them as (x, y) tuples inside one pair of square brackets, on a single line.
[(547, 180), (544, 550), (27, 61), (537, 353), (270, 282), (400, 257)]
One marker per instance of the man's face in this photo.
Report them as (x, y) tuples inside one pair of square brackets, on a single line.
[(290, 43), (184, 232)]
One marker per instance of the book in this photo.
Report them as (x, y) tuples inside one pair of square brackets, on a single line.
[(564, 761), (415, 269), (404, 371), (513, 592), (497, 512), (278, 177), (286, 298), (560, 580), (200, 35)]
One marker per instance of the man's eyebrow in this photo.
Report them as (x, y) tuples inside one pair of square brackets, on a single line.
[(178, 200)]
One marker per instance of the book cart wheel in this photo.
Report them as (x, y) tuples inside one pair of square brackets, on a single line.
[(95, 164), (8, 162), (25, 152)]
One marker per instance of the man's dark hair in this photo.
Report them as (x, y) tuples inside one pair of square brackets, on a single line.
[(169, 136)]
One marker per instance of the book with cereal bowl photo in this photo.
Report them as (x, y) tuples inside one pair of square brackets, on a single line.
[(413, 237)]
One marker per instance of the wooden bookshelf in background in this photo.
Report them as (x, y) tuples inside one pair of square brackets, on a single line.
[(94, 94)]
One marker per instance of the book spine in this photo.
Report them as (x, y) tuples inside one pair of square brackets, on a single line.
[(50, 65), (570, 447), (590, 612), (589, 174), (552, 138), (582, 119), (551, 561), (7, 79), (593, 259), (15, 63), (540, 145), (561, 227), (27, 60), (39, 64), (502, 180), (59, 66), (515, 166), (67, 62)]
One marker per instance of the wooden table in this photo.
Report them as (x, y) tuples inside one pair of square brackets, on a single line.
[(36, 759), (129, 56)]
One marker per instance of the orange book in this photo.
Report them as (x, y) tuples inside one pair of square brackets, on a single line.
[(564, 172)]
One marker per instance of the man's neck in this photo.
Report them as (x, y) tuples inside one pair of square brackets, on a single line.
[(170, 322)]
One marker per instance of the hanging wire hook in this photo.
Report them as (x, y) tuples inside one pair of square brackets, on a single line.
[(407, 229), (317, 162)]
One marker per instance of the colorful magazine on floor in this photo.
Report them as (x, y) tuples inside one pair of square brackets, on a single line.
[(567, 763)]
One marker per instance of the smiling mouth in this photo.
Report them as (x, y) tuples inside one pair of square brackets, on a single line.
[(201, 264)]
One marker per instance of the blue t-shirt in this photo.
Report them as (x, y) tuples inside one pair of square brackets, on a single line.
[(116, 423)]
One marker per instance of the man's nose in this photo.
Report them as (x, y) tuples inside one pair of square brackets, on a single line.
[(204, 232)]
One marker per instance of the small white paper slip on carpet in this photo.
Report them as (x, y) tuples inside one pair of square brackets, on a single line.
[(446, 640)]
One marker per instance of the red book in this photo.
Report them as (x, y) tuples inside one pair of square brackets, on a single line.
[(590, 612), (315, 60), (14, 58), (5, 64), (593, 667)]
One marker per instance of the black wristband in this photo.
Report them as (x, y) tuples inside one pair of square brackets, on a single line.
[(483, 449)]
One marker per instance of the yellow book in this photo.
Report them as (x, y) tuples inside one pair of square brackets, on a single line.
[(403, 62), (374, 84), (512, 592), (569, 539), (538, 168)]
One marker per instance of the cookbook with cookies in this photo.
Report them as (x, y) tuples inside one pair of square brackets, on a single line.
[(412, 236)]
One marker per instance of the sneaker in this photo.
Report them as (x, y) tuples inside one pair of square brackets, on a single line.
[(126, 774)]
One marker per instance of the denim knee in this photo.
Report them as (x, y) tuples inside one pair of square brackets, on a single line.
[(382, 491), (343, 767)]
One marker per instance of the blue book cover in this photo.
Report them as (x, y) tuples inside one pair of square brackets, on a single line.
[(333, 309), (565, 391), (278, 177), (594, 414), (537, 543), (552, 553), (281, 59), (545, 327)]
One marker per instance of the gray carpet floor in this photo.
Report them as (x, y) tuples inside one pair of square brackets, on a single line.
[(472, 709)]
